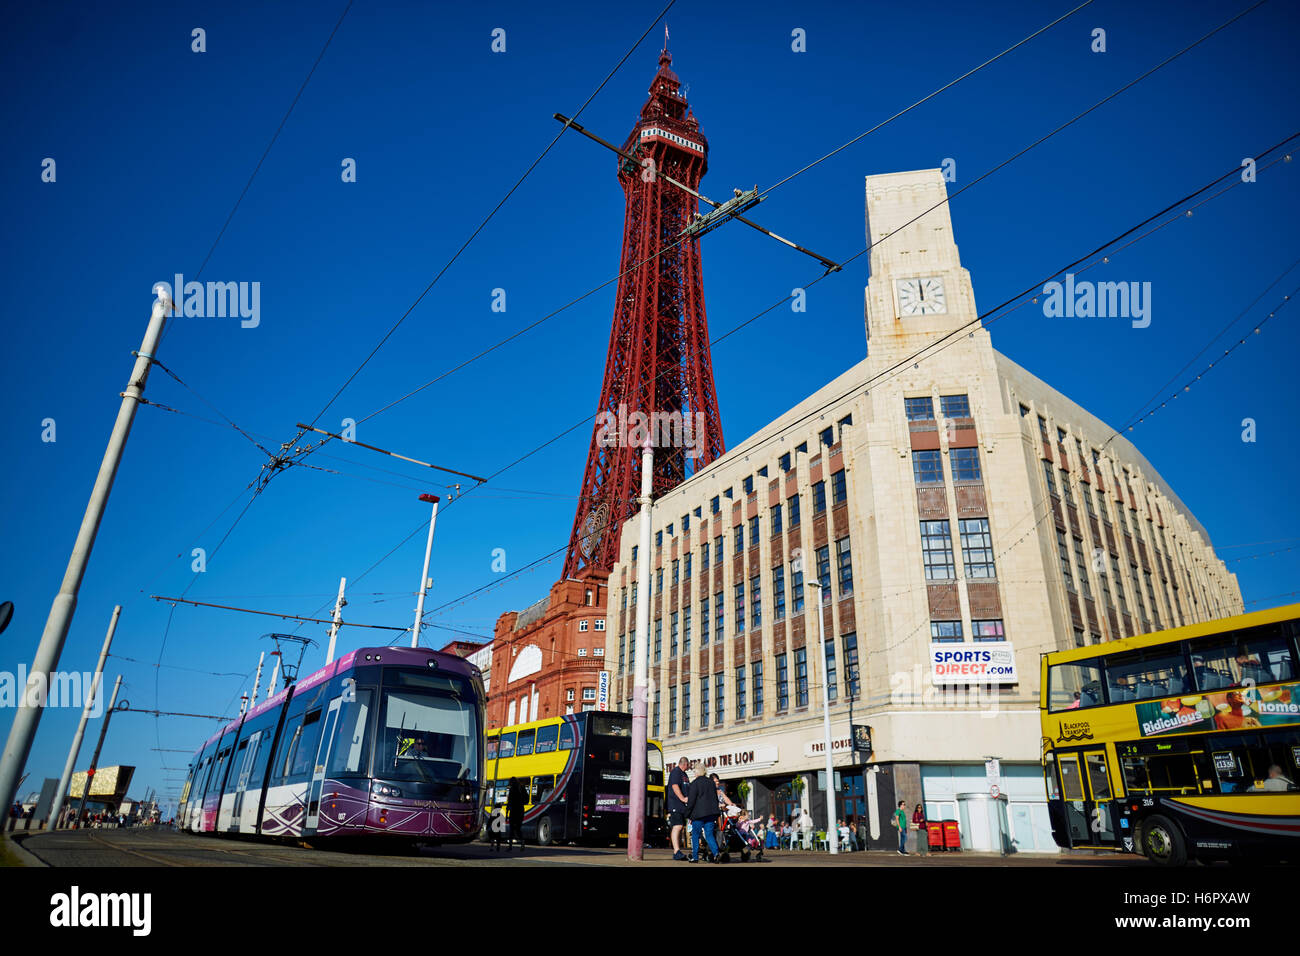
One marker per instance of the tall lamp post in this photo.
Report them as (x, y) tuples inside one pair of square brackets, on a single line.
[(832, 835)]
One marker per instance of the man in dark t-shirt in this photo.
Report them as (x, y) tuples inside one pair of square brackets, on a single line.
[(675, 803), (702, 808)]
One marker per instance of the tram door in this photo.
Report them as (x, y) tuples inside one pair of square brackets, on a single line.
[(241, 784), (318, 770), (1086, 791)]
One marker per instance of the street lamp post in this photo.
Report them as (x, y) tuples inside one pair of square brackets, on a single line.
[(832, 835)]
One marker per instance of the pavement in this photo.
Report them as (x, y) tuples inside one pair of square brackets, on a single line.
[(162, 847)]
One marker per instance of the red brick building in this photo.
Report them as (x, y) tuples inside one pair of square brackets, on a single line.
[(547, 658)]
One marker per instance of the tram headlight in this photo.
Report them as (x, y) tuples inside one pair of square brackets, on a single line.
[(385, 790)]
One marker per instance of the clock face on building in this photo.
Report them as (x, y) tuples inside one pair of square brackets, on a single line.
[(593, 529), (921, 296)]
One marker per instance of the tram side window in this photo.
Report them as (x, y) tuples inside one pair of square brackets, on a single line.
[(292, 733), (543, 787), (1260, 655), (1074, 686), (507, 745), (305, 755), (524, 747), (351, 750), (1159, 672), (568, 739), (546, 739)]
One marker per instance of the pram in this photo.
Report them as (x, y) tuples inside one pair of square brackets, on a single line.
[(736, 840)]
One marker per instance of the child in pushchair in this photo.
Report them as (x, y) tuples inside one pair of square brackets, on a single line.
[(738, 836)]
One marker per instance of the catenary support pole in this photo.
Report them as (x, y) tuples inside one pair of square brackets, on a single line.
[(28, 714), (339, 605), (641, 669), (61, 794), (257, 681), (99, 745)]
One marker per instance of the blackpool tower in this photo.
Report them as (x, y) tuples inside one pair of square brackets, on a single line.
[(658, 373)]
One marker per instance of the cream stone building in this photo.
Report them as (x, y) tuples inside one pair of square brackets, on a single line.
[(964, 518)]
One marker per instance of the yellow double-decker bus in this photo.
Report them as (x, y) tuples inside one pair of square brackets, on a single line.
[(1178, 745), (577, 773)]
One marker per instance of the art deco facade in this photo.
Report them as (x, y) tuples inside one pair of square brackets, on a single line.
[(954, 503)]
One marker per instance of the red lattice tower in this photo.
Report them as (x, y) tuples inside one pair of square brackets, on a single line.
[(658, 362)]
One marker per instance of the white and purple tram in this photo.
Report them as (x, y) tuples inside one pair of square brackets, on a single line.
[(383, 741)]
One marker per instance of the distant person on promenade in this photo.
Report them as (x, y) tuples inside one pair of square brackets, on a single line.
[(702, 809), (515, 800), (678, 784)]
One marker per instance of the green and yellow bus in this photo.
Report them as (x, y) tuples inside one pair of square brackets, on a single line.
[(1179, 745), (577, 771)]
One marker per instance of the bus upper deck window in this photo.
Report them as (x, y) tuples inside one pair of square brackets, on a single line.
[(1074, 686)]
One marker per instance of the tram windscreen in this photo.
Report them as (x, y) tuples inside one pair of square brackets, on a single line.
[(429, 731)]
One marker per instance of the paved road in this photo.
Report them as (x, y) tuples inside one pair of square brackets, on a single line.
[(166, 848)]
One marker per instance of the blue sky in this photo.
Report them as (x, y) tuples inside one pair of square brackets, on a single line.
[(153, 144)]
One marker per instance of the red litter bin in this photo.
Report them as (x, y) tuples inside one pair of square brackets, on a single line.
[(951, 835), (934, 834)]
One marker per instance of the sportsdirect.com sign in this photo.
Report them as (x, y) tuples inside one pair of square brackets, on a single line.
[(990, 663)]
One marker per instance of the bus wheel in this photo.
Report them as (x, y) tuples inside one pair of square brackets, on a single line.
[(545, 834), (1163, 842)]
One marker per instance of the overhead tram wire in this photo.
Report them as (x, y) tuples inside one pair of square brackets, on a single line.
[(917, 356), (869, 247), (488, 218)]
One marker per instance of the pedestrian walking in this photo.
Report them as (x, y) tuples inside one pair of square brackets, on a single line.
[(702, 810), (675, 803), (515, 800), (806, 828), (900, 824)]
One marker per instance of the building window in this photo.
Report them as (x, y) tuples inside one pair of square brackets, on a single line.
[(715, 505), (1048, 476), (624, 590), (1079, 639), (844, 559), (686, 523), (753, 532), (1024, 411), (622, 643), (758, 687), (569, 695), (823, 556), (801, 677), (740, 692), (832, 688), (927, 467), (677, 567), (776, 520), (659, 638), (672, 711), (827, 435), (739, 535), (1082, 564), (704, 702), (672, 635), (600, 623), (659, 539), (598, 652), (945, 632), (740, 607), (704, 557), (1042, 429), (654, 729), (659, 580), (785, 462), (796, 588), (686, 565), (1067, 492), (717, 550), (782, 683), (976, 547), (792, 505), (954, 406), (850, 664), (755, 602), (778, 593), (634, 592), (965, 464), (718, 615), (801, 448), (589, 693), (819, 497), (686, 706), (748, 485), (582, 652), (719, 699), (839, 488), (704, 622), (936, 550), (1063, 552), (987, 631), (919, 409), (582, 626), (686, 629), (634, 547)]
